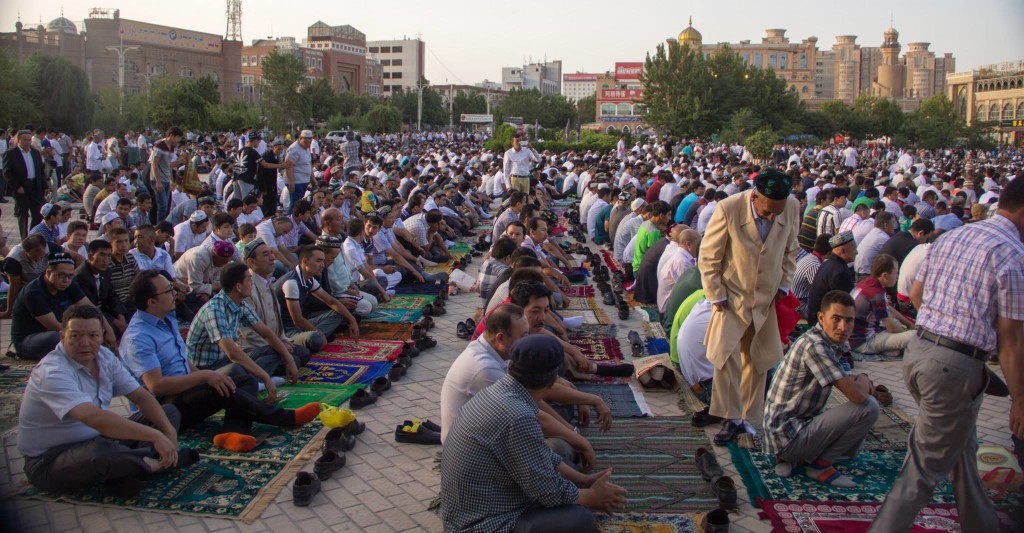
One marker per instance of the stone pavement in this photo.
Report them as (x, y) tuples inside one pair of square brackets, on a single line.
[(386, 486)]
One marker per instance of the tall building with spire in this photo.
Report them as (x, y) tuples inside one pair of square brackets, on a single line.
[(891, 73)]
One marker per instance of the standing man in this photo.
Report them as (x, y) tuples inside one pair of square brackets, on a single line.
[(517, 164), (969, 294), (23, 170), (301, 170), (747, 260), (162, 163), (266, 177), (244, 179)]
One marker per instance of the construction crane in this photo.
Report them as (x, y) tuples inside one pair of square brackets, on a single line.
[(234, 16)]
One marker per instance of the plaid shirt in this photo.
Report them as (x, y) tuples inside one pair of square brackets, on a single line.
[(800, 388), (350, 150), (218, 319), (489, 273), (972, 276), (417, 226), (496, 465)]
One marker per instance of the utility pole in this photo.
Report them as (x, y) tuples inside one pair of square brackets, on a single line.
[(121, 50), (451, 100), (419, 105)]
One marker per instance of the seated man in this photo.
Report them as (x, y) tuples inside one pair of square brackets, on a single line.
[(529, 488), (680, 255), (878, 327), (424, 228), (93, 278), (191, 233), (354, 249), (24, 264), (386, 241), (834, 274), (500, 260), (797, 427), (273, 231), (339, 272), (294, 291), (356, 303), (199, 268), (155, 353), (66, 431), (38, 311)]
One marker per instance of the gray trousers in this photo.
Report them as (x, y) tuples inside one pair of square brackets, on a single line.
[(83, 464), (835, 435), (326, 322), (575, 518), (947, 387)]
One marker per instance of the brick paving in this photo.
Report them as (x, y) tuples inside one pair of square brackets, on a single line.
[(386, 487)]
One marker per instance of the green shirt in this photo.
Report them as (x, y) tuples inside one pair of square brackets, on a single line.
[(646, 235)]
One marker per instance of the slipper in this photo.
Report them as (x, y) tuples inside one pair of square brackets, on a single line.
[(380, 385), (426, 343), (462, 331)]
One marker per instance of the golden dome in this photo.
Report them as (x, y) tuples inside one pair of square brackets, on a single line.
[(690, 35)]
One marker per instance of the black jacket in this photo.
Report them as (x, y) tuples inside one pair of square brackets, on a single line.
[(17, 173), (105, 298)]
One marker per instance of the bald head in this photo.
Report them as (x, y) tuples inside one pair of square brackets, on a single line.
[(332, 221), (676, 232)]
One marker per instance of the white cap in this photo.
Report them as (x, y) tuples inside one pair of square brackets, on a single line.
[(108, 217), (637, 204)]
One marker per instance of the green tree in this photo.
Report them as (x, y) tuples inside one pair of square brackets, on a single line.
[(323, 101), (743, 123), (384, 118), (550, 111), (61, 92), (885, 116), (184, 102), (761, 143), (283, 74), (18, 107), (586, 109), (935, 124), (435, 113), (110, 115), (468, 103)]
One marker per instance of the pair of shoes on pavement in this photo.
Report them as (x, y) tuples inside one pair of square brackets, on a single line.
[(417, 431), (722, 485), (336, 443), (465, 329)]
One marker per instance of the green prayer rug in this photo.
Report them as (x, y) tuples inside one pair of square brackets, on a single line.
[(295, 395), (275, 443), (407, 301), (394, 315)]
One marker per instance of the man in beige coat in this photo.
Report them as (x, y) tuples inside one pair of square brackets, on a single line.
[(747, 260)]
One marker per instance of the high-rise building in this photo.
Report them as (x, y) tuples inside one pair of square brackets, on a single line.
[(402, 62), (579, 85), (545, 77)]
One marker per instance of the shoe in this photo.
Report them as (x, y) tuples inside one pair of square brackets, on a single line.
[(428, 309), (425, 423), (715, 521), (340, 440), (617, 286), (405, 360), (438, 310), (729, 432), (634, 341), (725, 488), (418, 332), (707, 464), (426, 343), (624, 313), (353, 428), (608, 299), (702, 418), (328, 463), (413, 434), (427, 323), (410, 350), (380, 385), (362, 398), (461, 331), (397, 371), (306, 486), (883, 396), (471, 324), (623, 370)]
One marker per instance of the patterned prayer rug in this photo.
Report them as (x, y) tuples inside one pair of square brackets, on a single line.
[(612, 265), (844, 517), (446, 267), (599, 350), (295, 395), (276, 443), (432, 289), (621, 398), (482, 227), (688, 401), (654, 329), (12, 387), (580, 291), (365, 350), (321, 370), (385, 331), (407, 316), (593, 316), (577, 303), (407, 301), (594, 331), (647, 523), (653, 459), (461, 249)]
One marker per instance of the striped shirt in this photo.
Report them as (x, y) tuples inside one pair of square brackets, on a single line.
[(972, 276), (806, 269)]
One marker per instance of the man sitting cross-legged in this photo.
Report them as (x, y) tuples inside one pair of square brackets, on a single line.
[(797, 427), (66, 431), (155, 353), (296, 291)]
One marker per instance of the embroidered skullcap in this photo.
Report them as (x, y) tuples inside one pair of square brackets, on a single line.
[(773, 184), (840, 239)]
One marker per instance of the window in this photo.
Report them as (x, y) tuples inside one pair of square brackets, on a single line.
[(624, 109), (385, 49), (757, 60), (783, 63), (396, 75), (185, 72), (607, 109), (625, 129), (397, 62), (803, 60), (804, 90), (263, 59), (320, 64), (982, 115), (771, 60), (1020, 110), (252, 60), (245, 61), (387, 75), (212, 75), (374, 49), (385, 62), (1007, 111), (396, 49), (993, 112)]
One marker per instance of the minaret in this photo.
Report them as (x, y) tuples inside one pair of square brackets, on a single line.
[(891, 74)]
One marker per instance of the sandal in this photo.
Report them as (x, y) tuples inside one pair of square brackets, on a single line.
[(461, 331)]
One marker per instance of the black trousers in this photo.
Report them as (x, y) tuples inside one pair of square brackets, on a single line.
[(241, 409), (82, 464)]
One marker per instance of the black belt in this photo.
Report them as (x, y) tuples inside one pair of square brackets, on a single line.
[(966, 349), (514, 176)]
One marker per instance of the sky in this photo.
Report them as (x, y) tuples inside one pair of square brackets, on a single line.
[(470, 45)]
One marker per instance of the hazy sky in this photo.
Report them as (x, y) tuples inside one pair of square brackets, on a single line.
[(469, 44)]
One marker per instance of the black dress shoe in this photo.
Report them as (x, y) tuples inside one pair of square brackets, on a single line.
[(404, 359), (725, 488), (380, 385), (634, 341), (729, 432), (608, 299), (715, 521), (421, 436), (362, 398), (703, 418), (624, 313), (353, 428), (707, 464), (396, 372), (339, 440), (306, 486), (426, 343), (410, 350), (418, 332), (328, 463)]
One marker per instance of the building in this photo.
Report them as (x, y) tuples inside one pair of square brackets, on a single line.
[(545, 77), (992, 93), (150, 50), (578, 86), (402, 61), (620, 98)]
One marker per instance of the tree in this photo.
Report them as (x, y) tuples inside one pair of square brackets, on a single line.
[(16, 87), (676, 85), (283, 74), (384, 118), (742, 124), (468, 103), (935, 124), (434, 110), (183, 102), (61, 92), (761, 143), (550, 111), (885, 116), (323, 101), (586, 109)]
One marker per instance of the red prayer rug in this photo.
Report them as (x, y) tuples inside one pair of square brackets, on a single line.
[(601, 351), (852, 517), (366, 350)]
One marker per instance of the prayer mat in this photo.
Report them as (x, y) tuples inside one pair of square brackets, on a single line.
[(844, 517), (295, 395), (654, 329), (652, 313), (891, 430), (12, 388), (445, 267), (594, 331), (366, 350), (655, 346), (613, 266), (647, 523), (653, 458), (275, 443), (621, 398), (593, 316), (580, 291), (689, 404), (461, 249), (321, 370), (236, 489), (874, 473), (599, 350), (407, 301), (577, 303), (407, 316), (432, 289), (385, 331), (484, 227)]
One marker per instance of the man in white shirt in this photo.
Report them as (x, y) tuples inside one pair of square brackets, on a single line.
[(869, 248), (603, 195), (705, 214), (679, 256), (517, 162), (94, 153), (109, 204), (850, 154), (191, 233)]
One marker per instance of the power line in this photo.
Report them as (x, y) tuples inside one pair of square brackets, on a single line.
[(443, 65)]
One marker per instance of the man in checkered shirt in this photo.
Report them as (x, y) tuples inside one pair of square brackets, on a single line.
[(797, 427), (969, 293)]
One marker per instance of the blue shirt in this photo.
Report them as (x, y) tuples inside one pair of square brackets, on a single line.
[(150, 343), (684, 206)]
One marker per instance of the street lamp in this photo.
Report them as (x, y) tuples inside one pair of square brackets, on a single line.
[(121, 50)]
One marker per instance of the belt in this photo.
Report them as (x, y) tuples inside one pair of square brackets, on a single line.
[(514, 176), (966, 349)]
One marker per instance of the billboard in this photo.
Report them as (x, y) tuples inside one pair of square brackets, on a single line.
[(141, 32), (621, 95), (579, 77), (628, 71), (476, 118)]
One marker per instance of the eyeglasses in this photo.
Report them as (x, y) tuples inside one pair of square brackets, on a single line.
[(172, 289), (63, 276)]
